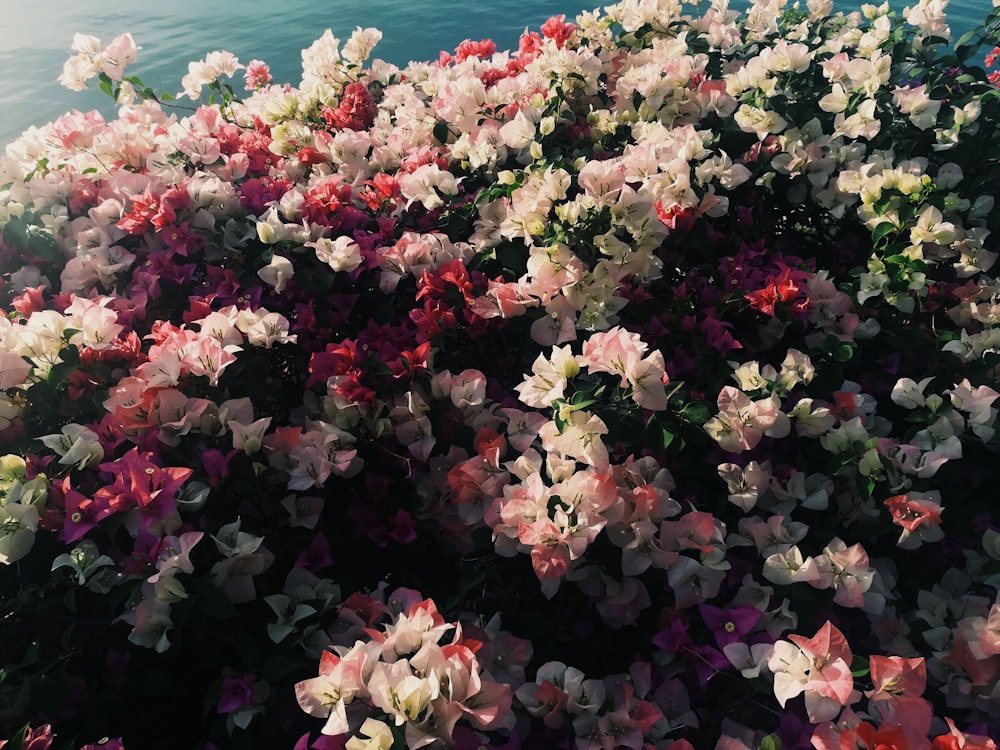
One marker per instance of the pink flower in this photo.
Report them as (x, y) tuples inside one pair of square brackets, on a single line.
[(35, 738), (920, 518), (741, 423), (989, 636), (898, 684), (817, 666), (258, 75)]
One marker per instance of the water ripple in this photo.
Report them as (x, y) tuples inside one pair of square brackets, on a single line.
[(33, 45)]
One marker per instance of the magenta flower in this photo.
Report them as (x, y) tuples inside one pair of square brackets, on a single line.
[(106, 744), (139, 482)]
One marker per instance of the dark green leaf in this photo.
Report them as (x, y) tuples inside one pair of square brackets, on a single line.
[(216, 604), (882, 230), (696, 412), (70, 354), (671, 388), (666, 438), (15, 234), (41, 244), (859, 666), (843, 353), (441, 132), (278, 667)]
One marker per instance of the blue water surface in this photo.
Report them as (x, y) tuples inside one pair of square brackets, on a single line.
[(35, 38)]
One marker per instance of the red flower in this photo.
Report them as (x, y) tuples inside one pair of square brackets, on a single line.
[(482, 49), (676, 216), (558, 30), (356, 110), (911, 513), (148, 210), (782, 288)]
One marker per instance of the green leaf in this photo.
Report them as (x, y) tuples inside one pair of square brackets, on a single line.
[(43, 245), (60, 372), (441, 132), (696, 412), (771, 742), (843, 353), (15, 234), (671, 388), (666, 438), (881, 231), (859, 666), (106, 88), (17, 741), (511, 259), (70, 354), (966, 38)]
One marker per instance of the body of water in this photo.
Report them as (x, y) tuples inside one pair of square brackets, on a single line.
[(35, 40)]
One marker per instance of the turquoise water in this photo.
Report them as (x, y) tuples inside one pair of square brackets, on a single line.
[(35, 43)]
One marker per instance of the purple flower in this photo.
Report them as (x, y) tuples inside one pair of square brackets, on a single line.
[(729, 625), (236, 693), (316, 556), (674, 637)]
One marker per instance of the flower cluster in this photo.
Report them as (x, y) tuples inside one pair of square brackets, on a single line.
[(670, 341), (411, 679)]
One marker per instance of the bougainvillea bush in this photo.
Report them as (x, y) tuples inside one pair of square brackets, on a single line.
[(635, 388)]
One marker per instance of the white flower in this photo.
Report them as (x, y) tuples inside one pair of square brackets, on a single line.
[(84, 560), (862, 124), (359, 47), (277, 272), (759, 121), (908, 393), (836, 100), (341, 253), (216, 65), (9, 411), (915, 102), (76, 446), (17, 531), (248, 437)]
